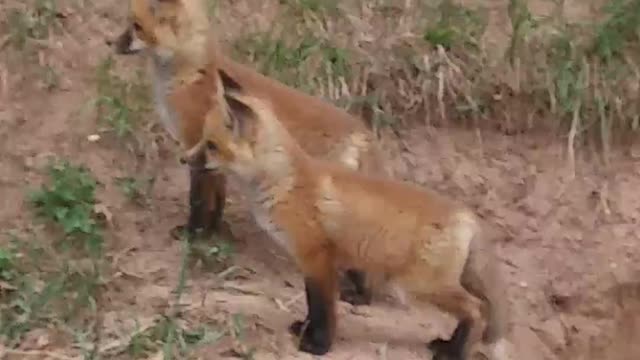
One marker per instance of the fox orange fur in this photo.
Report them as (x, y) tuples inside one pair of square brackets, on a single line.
[(182, 46), (329, 217)]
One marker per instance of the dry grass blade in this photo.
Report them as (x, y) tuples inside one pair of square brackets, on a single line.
[(39, 354)]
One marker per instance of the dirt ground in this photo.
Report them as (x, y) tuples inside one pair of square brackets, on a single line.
[(569, 252)]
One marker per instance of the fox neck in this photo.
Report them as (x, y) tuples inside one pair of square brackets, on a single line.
[(278, 158), (172, 69), (195, 52)]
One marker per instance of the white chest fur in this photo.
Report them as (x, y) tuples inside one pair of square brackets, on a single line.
[(161, 91), (265, 221)]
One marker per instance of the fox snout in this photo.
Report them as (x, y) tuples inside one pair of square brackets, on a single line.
[(126, 43)]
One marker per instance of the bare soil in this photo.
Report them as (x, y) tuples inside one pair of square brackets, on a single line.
[(570, 247)]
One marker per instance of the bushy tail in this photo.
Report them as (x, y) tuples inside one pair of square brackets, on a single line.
[(482, 278)]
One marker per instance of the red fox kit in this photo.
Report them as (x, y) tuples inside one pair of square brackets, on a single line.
[(177, 35), (328, 216)]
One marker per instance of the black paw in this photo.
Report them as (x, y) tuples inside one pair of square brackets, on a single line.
[(353, 288), (353, 297), (445, 350), (454, 348), (312, 341)]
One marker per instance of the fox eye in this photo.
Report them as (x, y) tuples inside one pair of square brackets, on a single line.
[(211, 146), (137, 27)]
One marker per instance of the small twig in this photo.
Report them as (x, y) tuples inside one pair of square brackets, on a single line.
[(294, 299), (119, 345), (36, 353), (285, 305), (572, 138), (239, 289), (4, 41), (175, 309), (382, 352), (223, 274)]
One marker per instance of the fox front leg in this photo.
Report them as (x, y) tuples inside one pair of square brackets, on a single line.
[(317, 330), (207, 196)]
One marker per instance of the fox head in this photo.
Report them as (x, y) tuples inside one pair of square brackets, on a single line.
[(232, 130), (166, 27)]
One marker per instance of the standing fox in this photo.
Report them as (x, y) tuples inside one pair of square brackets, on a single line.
[(182, 46), (328, 216)]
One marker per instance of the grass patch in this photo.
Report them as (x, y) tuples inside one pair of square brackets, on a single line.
[(148, 342), (329, 7), (68, 201), (432, 62), (7, 264), (55, 283), (455, 26), (36, 22), (120, 103), (620, 30), (135, 189), (306, 62)]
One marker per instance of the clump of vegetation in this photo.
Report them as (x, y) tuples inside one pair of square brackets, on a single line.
[(7, 264), (552, 68), (455, 25), (54, 285), (36, 21), (121, 103), (69, 202), (135, 189), (314, 6), (145, 343), (302, 62)]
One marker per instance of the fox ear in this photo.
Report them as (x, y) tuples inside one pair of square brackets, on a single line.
[(229, 85), (226, 85), (242, 117)]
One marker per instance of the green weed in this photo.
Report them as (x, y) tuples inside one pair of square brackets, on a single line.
[(456, 25), (48, 288), (69, 202), (172, 329), (238, 333), (620, 30), (7, 264), (147, 342), (120, 103), (275, 57), (37, 22), (521, 23), (136, 190), (295, 62), (221, 252), (314, 6), (51, 286), (50, 78)]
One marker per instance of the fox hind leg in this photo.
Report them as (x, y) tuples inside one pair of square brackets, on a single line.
[(354, 288), (468, 311)]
